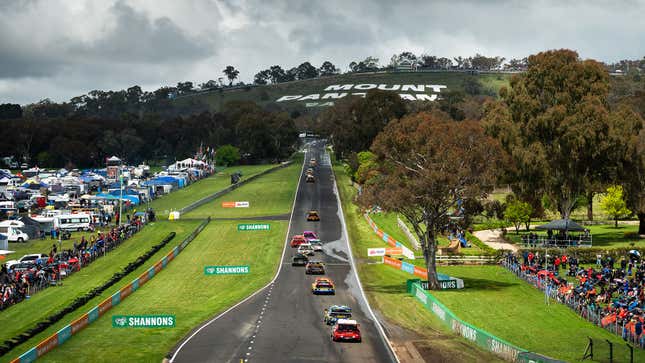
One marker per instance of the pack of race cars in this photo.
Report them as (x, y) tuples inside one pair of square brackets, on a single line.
[(344, 328)]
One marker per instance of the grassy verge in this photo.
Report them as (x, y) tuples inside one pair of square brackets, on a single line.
[(605, 236), (25, 314), (183, 290), (203, 188), (497, 301), (271, 194), (385, 289)]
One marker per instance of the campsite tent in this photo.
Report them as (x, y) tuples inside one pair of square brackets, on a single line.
[(561, 225)]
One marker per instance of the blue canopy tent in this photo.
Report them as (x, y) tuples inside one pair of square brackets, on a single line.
[(106, 196)]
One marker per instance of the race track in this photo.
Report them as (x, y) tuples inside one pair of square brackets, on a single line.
[(283, 323)]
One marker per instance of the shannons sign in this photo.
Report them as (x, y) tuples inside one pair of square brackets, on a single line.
[(226, 270), (408, 92), (143, 321)]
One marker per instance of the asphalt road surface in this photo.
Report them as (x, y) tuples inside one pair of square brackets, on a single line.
[(283, 323)]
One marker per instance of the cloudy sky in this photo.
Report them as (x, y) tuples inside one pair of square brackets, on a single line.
[(58, 49)]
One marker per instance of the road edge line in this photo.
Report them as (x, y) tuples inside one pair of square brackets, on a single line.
[(360, 285), (275, 277)]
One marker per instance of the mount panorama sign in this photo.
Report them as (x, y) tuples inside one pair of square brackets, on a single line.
[(408, 92)]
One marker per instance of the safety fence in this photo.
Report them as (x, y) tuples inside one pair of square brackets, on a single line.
[(465, 259), (218, 194), (411, 237), (388, 239), (500, 347), (102, 308), (445, 281)]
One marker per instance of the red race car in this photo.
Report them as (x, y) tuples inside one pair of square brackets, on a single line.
[(297, 240), (346, 331)]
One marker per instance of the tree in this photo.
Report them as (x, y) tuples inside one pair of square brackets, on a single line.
[(428, 164), (306, 71), (10, 111), (632, 174), (328, 69), (428, 61), (227, 155), (613, 203), (276, 74), (262, 77), (518, 212), (354, 123), (184, 87), (556, 125), (367, 166), (231, 73)]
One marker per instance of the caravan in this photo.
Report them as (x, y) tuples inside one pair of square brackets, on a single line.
[(73, 222), (13, 232)]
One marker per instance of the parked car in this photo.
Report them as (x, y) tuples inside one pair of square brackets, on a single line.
[(28, 259)]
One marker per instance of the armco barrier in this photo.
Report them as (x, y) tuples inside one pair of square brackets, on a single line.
[(216, 195), (77, 325), (480, 337), (388, 239), (419, 271)]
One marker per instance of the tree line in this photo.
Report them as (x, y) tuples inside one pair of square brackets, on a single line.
[(554, 135), (80, 140)]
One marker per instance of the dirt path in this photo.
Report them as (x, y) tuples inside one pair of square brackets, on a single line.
[(493, 238)]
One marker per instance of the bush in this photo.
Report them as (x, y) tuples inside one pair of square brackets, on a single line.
[(227, 155), (633, 235)]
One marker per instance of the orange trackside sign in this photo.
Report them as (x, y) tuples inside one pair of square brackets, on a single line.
[(228, 204)]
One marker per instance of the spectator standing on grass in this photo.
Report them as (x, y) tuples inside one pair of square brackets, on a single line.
[(564, 261), (598, 260), (623, 264), (556, 263)]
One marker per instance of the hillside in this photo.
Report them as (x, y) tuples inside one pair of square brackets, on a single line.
[(317, 97)]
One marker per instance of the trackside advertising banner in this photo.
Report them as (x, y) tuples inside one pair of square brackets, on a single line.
[(77, 325), (480, 337), (483, 339), (388, 239)]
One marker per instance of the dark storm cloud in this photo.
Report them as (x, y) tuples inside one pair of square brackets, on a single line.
[(137, 39), (63, 48)]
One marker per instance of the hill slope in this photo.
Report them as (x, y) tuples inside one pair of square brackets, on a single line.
[(314, 90)]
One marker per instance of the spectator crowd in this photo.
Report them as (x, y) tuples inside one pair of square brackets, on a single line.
[(611, 294), (21, 280)]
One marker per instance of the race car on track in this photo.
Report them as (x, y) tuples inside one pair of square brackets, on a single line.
[(310, 178), (297, 240), (336, 312), (299, 260), (314, 268), (346, 331), (312, 162), (310, 171), (312, 216), (311, 236), (317, 246), (323, 285), (306, 249)]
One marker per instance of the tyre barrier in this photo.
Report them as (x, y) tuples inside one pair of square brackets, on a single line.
[(99, 310), (216, 195)]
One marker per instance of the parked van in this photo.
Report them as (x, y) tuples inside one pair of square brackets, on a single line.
[(14, 234), (73, 222)]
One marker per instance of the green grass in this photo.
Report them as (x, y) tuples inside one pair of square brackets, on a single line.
[(44, 246), (202, 188), (386, 290), (500, 303), (183, 290), (24, 315), (269, 94), (388, 223), (605, 236), (271, 194)]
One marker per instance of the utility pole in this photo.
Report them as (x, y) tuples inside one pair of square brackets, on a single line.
[(121, 192)]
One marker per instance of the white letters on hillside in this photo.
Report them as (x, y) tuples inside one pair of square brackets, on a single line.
[(415, 92)]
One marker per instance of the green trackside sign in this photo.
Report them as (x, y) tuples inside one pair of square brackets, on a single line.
[(253, 227), (143, 321), (226, 270)]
